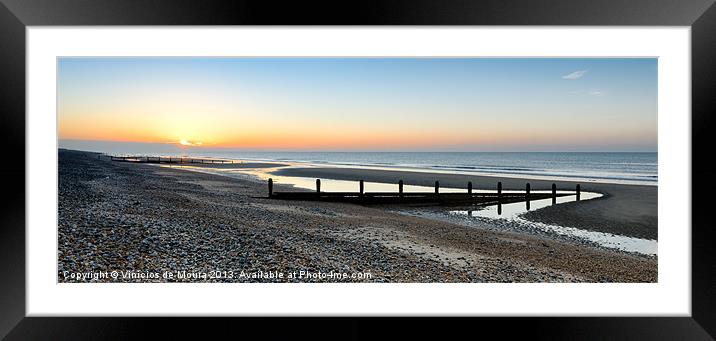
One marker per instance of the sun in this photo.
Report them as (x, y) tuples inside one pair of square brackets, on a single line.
[(188, 143)]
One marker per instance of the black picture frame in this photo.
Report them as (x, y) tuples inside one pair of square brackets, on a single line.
[(15, 15)]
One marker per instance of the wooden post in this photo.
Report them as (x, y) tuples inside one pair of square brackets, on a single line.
[(270, 184), (499, 193), (578, 191), (527, 195), (437, 187), (469, 187), (400, 187), (318, 185), (499, 208), (554, 194), (361, 187)]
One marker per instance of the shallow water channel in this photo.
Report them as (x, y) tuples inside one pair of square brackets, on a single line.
[(513, 213)]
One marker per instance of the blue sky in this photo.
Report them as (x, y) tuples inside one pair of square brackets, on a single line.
[(461, 104)]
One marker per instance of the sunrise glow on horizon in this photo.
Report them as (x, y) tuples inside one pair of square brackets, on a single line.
[(358, 104)]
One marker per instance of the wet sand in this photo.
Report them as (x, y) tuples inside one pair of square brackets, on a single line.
[(243, 165), (123, 216), (628, 210)]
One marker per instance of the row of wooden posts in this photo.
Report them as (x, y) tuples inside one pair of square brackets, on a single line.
[(159, 159), (437, 189)]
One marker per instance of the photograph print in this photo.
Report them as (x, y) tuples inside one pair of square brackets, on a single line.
[(357, 170)]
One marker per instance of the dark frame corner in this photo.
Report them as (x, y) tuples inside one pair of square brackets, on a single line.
[(15, 15)]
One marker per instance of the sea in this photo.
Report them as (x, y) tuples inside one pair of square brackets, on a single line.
[(637, 167)]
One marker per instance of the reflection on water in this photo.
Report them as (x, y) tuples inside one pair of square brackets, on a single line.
[(512, 210), (513, 213), (612, 241), (330, 185)]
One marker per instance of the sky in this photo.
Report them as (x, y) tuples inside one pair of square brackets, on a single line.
[(362, 104)]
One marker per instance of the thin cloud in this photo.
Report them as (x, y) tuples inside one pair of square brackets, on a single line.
[(575, 75), (593, 92)]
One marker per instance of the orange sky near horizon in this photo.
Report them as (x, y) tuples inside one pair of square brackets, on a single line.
[(287, 137)]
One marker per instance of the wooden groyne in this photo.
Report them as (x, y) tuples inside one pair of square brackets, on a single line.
[(166, 159), (425, 198)]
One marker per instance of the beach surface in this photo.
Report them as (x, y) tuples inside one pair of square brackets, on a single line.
[(151, 219), (627, 210), (242, 165)]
